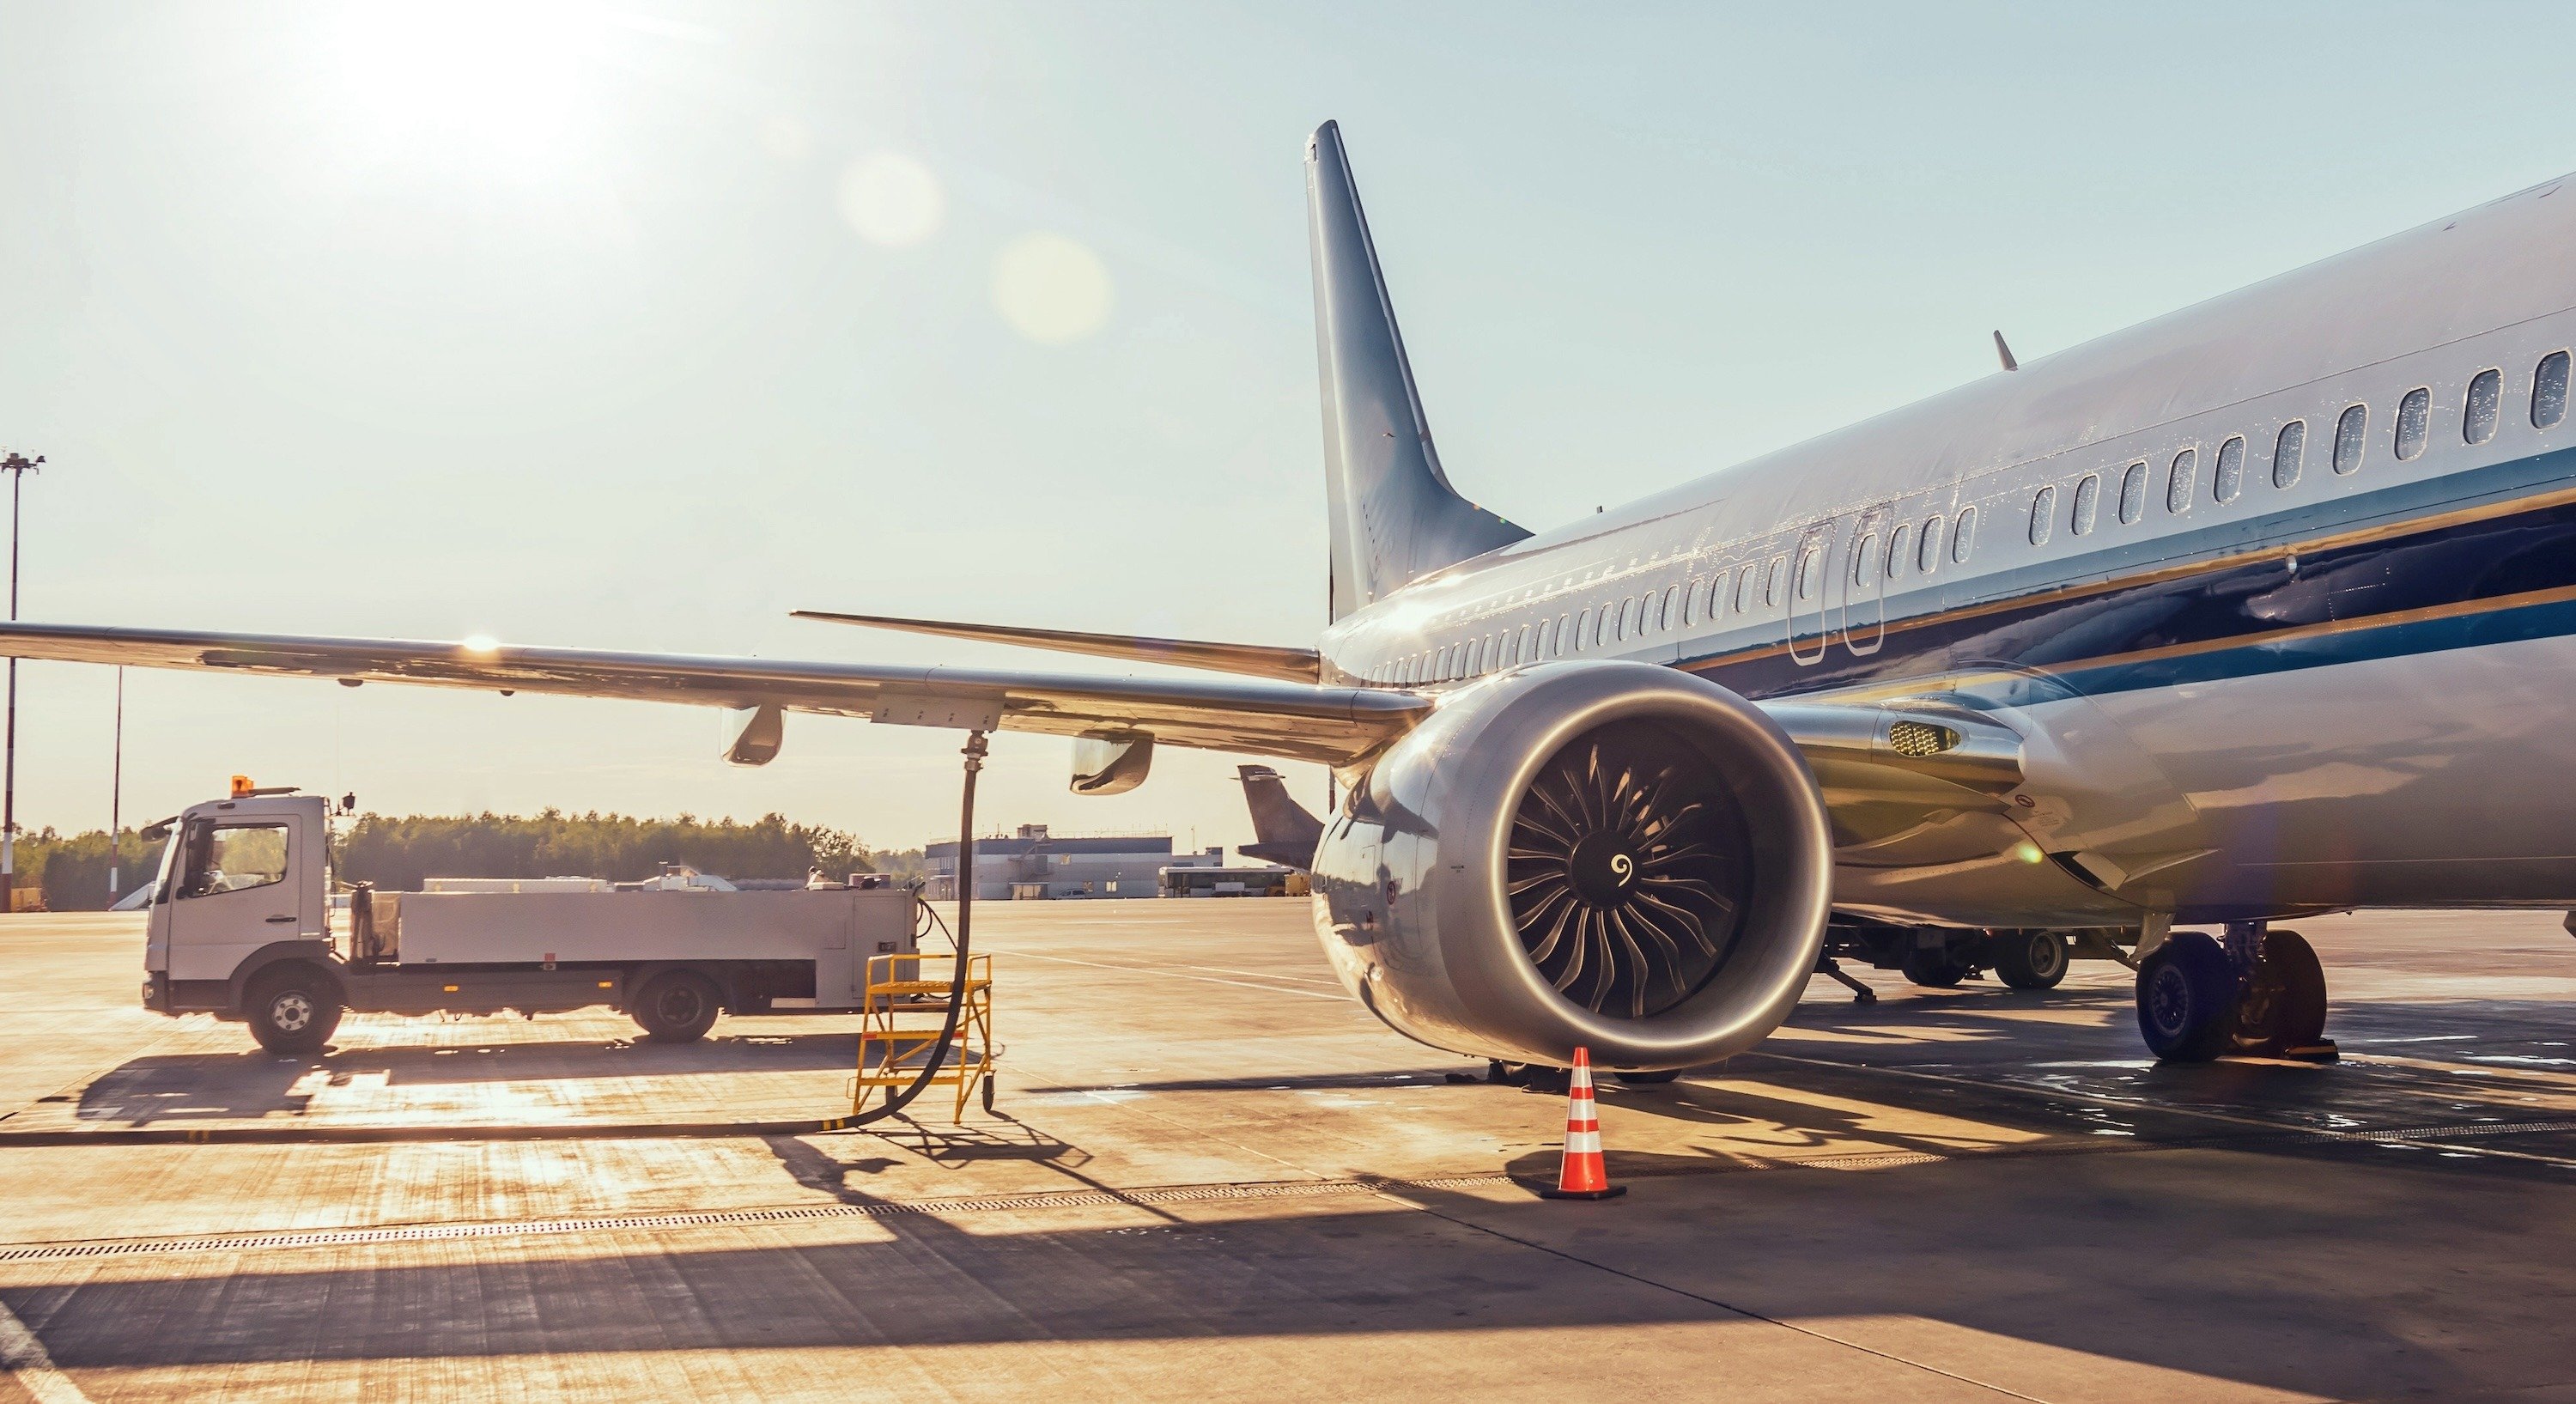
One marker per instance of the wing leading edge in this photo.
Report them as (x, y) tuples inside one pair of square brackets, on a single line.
[(1330, 725)]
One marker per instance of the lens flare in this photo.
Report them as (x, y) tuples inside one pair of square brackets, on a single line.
[(892, 200), (1051, 289)]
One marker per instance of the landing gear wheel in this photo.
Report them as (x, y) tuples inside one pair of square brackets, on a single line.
[(2187, 999), (2031, 960), (1647, 1079), (2284, 1004), (1932, 968), (293, 1011), (677, 1006)]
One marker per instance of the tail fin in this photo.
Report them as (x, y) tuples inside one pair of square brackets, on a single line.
[(1394, 516), (1284, 832)]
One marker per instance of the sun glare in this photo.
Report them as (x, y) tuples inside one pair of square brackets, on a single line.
[(506, 78)]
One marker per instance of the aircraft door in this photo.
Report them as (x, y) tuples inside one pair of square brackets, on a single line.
[(1862, 584), (1811, 573)]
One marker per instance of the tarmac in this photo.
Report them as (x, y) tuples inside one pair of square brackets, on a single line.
[(1213, 1176)]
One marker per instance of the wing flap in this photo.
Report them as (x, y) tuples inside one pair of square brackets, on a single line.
[(1254, 660)]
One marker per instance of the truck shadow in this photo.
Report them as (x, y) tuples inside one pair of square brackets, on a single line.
[(258, 1084)]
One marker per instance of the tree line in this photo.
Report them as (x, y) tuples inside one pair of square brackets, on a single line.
[(397, 853)]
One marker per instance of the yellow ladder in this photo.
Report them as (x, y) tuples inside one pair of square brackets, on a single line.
[(893, 1041)]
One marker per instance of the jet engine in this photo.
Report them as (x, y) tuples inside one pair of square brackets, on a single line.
[(1612, 855)]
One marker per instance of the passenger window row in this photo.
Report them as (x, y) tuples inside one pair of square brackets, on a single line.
[(2480, 408)]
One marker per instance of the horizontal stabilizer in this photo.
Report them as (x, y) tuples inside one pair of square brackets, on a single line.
[(1254, 660), (1283, 831)]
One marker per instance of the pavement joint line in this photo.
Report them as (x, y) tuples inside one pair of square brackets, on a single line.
[(1177, 975), (1389, 1186)]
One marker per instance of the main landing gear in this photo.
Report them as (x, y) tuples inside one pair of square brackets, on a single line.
[(2260, 994)]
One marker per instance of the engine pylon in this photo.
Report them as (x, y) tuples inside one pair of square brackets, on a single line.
[(1582, 1174)]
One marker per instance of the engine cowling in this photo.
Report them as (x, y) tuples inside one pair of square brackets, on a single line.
[(1612, 855)]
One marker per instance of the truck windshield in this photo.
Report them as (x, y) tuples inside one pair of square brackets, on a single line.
[(231, 857)]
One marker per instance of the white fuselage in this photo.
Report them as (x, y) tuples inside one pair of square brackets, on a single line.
[(2254, 685)]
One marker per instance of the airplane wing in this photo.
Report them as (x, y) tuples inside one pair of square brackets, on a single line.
[(1331, 725)]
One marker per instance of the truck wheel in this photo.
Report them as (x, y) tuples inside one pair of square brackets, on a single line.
[(677, 1006), (2031, 960), (293, 1010)]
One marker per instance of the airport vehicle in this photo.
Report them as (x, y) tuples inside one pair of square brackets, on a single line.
[(2259, 609), (246, 932)]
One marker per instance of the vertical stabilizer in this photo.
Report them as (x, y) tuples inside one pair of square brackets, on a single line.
[(1394, 516)]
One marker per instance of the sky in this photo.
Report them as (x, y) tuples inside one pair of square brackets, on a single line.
[(637, 325)]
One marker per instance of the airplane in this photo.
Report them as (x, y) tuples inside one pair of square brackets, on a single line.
[(2258, 610)]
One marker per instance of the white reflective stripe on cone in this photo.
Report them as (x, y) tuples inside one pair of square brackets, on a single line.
[(1582, 1143)]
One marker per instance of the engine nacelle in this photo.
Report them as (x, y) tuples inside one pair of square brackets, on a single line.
[(1612, 855)]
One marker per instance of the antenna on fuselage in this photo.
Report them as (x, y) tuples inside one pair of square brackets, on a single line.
[(2003, 353)]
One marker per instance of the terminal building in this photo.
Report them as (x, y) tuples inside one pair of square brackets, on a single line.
[(1035, 864)]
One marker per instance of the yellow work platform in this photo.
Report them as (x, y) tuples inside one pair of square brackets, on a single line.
[(892, 1045)]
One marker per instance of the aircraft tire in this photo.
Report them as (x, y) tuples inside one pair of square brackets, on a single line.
[(2284, 1005), (2031, 960), (2187, 999), (1932, 968)]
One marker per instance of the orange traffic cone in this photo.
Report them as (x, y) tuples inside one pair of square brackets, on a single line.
[(1582, 1174)]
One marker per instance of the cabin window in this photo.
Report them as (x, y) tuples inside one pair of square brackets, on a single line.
[(1897, 542), (2230, 478), (1440, 666), (2350, 426), (1601, 627), (2414, 423), (2287, 450), (2186, 466), (1630, 625), (2133, 494), (1560, 643), (1716, 595), (1582, 626), (2478, 416), (1479, 653), (2043, 516), (1690, 601), (1808, 557), (1928, 555), (2088, 501), (1773, 579), (1666, 617), (1864, 559), (2549, 391), (1963, 535), (1744, 589)]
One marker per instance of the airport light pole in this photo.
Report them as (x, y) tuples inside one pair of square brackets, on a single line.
[(116, 791), (17, 466)]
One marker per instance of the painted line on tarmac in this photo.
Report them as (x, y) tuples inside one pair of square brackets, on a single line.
[(1177, 975), (2396, 1136), (23, 1358)]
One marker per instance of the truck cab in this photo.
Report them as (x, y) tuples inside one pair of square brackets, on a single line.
[(242, 886)]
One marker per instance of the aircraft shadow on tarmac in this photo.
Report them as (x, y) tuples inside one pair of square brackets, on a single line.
[(2201, 1264)]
